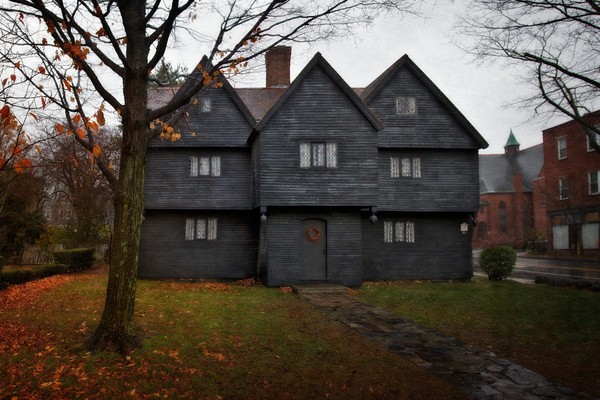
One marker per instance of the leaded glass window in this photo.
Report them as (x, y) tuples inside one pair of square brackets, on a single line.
[(395, 167), (189, 229)]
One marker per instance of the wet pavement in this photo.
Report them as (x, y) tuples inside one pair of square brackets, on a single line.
[(555, 268), (479, 373)]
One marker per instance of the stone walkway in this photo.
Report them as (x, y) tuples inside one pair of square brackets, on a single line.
[(481, 374)]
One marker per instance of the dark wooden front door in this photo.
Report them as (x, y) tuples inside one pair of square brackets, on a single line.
[(313, 254)]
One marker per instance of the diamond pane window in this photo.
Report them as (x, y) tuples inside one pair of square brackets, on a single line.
[(388, 232), (416, 167), (205, 104), (201, 228), (331, 155), (395, 167), (193, 166), (304, 155), (406, 166), (406, 105), (318, 150), (215, 166), (212, 229), (399, 232), (189, 229), (204, 168), (410, 232)]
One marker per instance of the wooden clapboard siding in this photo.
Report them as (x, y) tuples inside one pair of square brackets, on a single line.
[(318, 111), (169, 185), (440, 250), (284, 236), (166, 254), (433, 125), (223, 126), (449, 181)]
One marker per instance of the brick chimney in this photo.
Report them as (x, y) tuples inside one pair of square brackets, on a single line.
[(278, 66)]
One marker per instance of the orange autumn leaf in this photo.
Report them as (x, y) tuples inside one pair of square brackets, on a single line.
[(80, 133), (76, 118), (43, 102), (34, 116), (13, 77), (59, 129), (41, 69), (97, 151), (23, 164), (100, 118), (67, 84), (38, 149)]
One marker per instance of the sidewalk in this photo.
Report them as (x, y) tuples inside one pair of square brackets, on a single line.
[(481, 374)]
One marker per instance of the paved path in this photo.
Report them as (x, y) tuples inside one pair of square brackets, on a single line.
[(481, 374)]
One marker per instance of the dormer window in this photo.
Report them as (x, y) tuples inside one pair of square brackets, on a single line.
[(406, 105), (205, 104), (318, 154)]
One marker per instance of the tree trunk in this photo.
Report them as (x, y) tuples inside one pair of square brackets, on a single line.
[(116, 329)]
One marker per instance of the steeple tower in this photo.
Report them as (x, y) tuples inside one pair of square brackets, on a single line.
[(512, 145)]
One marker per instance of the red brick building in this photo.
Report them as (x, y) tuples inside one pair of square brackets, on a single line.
[(568, 188), (506, 195)]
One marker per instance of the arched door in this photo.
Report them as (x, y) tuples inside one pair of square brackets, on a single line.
[(313, 254)]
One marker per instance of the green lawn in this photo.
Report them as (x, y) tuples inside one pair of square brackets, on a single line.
[(200, 340), (555, 331)]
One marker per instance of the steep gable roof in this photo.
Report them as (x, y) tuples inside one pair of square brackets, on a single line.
[(373, 89), (318, 60), (496, 171), (197, 74)]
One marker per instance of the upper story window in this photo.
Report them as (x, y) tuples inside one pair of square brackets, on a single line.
[(205, 104), (593, 179), (205, 166), (406, 105), (561, 146), (200, 229), (405, 167), (318, 154), (563, 189), (596, 139), (398, 231)]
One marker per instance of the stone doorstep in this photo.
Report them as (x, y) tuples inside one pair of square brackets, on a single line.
[(319, 288)]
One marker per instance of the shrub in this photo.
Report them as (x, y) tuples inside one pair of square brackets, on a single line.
[(498, 261), (76, 259), (17, 276)]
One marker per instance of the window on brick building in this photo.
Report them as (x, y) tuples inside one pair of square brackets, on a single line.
[(561, 147), (596, 139), (502, 216), (593, 179), (563, 189)]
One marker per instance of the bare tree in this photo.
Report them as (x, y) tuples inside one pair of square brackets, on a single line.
[(559, 42), (69, 52)]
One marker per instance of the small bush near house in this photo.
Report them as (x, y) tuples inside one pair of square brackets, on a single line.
[(17, 276), (498, 261), (76, 259)]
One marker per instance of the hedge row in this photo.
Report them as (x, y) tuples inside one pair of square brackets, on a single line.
[(16, 276), (76, 259), (65, 261)]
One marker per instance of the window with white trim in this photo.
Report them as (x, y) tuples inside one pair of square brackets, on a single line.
[(405, 167), (200, 229), (205, 166), (318, 154), (561, 147), (593, 179), (399, 231), (563, 189), (596, 139), (406, 105)]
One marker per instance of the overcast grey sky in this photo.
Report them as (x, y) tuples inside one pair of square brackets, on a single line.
[(482, 92)]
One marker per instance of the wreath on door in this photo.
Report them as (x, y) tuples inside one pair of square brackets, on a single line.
[(313, 233)]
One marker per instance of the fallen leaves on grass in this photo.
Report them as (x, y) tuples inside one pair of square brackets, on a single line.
[(19, 296)]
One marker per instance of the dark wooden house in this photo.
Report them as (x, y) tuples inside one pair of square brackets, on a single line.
[(319, 182)]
